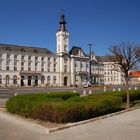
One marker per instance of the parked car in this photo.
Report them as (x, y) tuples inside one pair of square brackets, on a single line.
[(88, 84)]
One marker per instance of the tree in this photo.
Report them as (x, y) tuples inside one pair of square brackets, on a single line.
[(125, 58)]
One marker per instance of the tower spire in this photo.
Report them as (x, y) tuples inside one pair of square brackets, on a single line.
[(62, 23)]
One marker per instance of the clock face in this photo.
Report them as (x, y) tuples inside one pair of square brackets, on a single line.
[(65, 47), (65, 39)]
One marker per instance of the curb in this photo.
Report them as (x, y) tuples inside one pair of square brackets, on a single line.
[(69, 125)]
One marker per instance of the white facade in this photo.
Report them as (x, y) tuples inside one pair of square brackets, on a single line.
[(29, 66)]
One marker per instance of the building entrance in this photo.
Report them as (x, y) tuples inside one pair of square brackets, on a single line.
[(29, 80), (22, 80), (36, 81), (65, 81)]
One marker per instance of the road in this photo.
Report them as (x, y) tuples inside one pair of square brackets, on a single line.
[(125, 126), (7, 92)]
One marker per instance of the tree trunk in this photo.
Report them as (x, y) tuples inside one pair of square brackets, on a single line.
[(128, 95)]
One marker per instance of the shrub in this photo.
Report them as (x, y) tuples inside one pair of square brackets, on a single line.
[(67, 107), (22, 104), (72, 111), (134, 94)]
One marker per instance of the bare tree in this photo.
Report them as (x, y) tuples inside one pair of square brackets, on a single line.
[(125, 58)]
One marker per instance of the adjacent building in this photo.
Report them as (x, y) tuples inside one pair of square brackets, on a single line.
[(31, 66)]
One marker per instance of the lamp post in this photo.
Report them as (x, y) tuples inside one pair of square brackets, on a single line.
[(90, 77)]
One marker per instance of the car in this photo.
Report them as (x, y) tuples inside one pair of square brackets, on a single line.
[(88, 84)]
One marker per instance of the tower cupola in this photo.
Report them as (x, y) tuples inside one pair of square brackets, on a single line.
[(62, 23)]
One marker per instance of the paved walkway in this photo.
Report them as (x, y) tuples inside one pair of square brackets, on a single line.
[(125, 126)]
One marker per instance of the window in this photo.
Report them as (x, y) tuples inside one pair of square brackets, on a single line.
[(42, 64), (42, 79), (8, 56), (29, 57), (49, 59), (36, 58), (0, 65), (29, 69), (54, 59), (7, 68), (22, 63), (48, 79), (81, 64), (35, 51), (65, 68), (8, 49), (36, 64), (0, 56), (65, 60), (54, 79), (42, 58), (22, 57), (54, 69), (15, 65), (14, 79), (15, 57), (15, 68), (7, 65), (29, 64), (22, 68), (7, 79), (7, 62), (0, 79), (22, 50)]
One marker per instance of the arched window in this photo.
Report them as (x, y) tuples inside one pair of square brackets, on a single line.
[(65, 68), (48, 79), (22, 50), (42, 79), (14, 79), (8, 48), (0, 79), (35, 51), (54, 79), (7, 79)]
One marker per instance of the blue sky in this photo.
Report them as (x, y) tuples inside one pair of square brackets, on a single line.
[(100, 22)]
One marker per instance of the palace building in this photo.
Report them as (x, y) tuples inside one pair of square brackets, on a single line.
[(31, 66)]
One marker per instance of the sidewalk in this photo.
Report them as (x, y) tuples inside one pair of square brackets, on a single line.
[(125, 126)]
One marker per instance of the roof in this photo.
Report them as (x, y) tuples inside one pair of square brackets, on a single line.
[(18, 48), (135, 73), (102, 58), (75, 51)]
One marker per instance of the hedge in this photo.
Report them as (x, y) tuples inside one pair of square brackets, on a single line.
[(134, 94), (63, 107), (21, 104), (72, 111)]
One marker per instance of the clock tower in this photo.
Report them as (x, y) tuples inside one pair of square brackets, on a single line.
[(62, 38), (62, 50)]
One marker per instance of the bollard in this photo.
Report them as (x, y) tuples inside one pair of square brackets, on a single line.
[(119, 89), (84, 93), (129, 88), (15, 94), (104, 88), (135, 88), (90, 92), (114, 89), (74, 91)]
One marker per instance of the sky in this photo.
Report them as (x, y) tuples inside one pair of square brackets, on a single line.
[(102, 23)]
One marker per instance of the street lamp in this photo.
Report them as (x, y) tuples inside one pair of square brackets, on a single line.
[(90, 77)]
